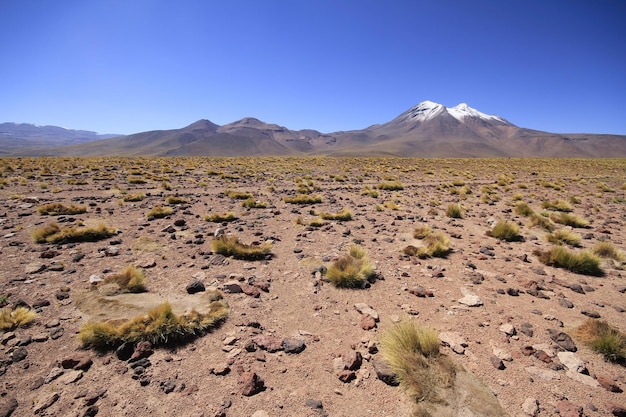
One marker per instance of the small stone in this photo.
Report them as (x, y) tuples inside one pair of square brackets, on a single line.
[(582, 378), (471, 300), (569, 409), (221, 370), (19, 354), (315, 404), (352, 360), (366, 310), (45, 402), (8, 406), (70, 377), (346, 376), (591, 314), (508, 329), (617, 410), (195, 287), (142, 350), (79, 360), (53, 374), (125, 351), (572, 362), (608, 383), (168, 386), (541, 373), (232, 287), (563, 340), (454, 340), (34, 268), (293, 345), (497, 362), (384, 372), (268, 343), (250, 384), (367, 322), (530, 406), (91, 411), (564, 302)]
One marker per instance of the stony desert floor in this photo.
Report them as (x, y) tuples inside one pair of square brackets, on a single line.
[(505, 339)]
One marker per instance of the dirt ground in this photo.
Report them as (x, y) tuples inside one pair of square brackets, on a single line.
[(202, 377)]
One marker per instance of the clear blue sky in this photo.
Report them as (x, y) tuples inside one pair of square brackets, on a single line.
[(125, 66)]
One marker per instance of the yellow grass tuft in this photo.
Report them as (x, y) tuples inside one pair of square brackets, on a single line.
[(604, 339), (230, 246), (19, 317), (52, 233), (351, 271), (58, 209), (131, 279), (584, 263)]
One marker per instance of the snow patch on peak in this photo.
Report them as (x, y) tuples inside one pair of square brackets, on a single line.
[(462, 110), (423, 111)]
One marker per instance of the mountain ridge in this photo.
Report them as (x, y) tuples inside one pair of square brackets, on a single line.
[(427, 129)]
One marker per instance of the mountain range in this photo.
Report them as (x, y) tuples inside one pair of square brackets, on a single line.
[(427, 129)]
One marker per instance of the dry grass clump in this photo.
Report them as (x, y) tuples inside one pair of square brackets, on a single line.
[(584, 263), (160, 327), (52, 233), (541, 221), (230, 246), (604, 339), (58, 209), (351, 271), (563, 236), (133, 197), (523, 209), (303, 199), (558, 205), (421, 231), (136, 180), (159, 212), (252, 203), (221, 217), (369, 192), (436, 245), (390, 186), (607, 250), (131, 279), (343, 215), (505, 230), (412, 352), (18, 317), (570, 220), (454, 211), (174, 199), (239, 195)]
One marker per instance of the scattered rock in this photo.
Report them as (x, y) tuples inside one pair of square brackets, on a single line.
[(34, 268), (293, 345), (142, 350), (470, 300), (608, 383), (497, 362), (384, 372), (618, 410), (19, 354), (591, 314), (45, 402), (79, 360), (454, 340), (232, 287), (195, 287), (315, 404), (572, 362), (346, 376), (530, 407), (367, 322), (167, 386), (70, 377), (569, 409), (352, 360), (268, 342), (582, 378), (563, 340), (508, 329), (541, 373), (250, 384), (366, 310), (8, 406)]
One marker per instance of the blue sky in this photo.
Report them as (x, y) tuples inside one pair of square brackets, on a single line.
[(121, 66)]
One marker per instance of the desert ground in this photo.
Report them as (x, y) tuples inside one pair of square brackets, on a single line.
[(293, 343)]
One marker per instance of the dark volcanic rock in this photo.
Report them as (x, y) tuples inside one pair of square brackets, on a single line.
[(563, 340), (195, 287)]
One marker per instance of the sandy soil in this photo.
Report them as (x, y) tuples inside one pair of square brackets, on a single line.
[(298, 304)]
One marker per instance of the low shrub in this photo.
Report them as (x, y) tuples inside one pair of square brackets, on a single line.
[(133, 197), (252, 203), (160, 327), (558, 205), (523, 209), (351, 271), (303, 199), (13, 318), (607, 250), (505, 230), (436, 245), (159, 212), (541, 221), (52, 233), (369, 192), (583, 263), (58, 209), (131, 279), (563, 236), (454, 211), (412, 352), (221, 217), (604, 339), (421, 231), (174, 199), (239, 195), (230, 246), (390, 186), (343, 215), (570, 220)]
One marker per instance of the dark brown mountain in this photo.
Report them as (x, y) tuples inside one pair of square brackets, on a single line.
[(425, 130)]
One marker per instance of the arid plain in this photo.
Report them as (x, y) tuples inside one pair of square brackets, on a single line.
[(294, 344)]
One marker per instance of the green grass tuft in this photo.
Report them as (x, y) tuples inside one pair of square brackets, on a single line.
[(221, 217), (604, 339), (570, 220), (563, 236), (607, 250), (252, 203), (58, 209), (454, 211), (131, 279), (52, 233), (390, 186), (303, 199), (343, 215), (558, 205), (159, 212)]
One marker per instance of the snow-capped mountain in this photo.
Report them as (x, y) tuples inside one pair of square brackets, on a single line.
[(427, 110)]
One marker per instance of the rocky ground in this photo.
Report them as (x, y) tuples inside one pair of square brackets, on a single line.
[(293, 344)]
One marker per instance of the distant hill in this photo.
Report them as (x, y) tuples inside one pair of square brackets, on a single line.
[(426, 130), (26, 138)]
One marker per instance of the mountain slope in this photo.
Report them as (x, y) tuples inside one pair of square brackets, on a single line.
[(427, 129)]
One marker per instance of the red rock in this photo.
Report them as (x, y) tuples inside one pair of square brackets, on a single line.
[(142, 350), (79, 360), (346, 376), (569, 409), (268, 342), (367, 322), (608, 383), (250, 384), (352, 360)]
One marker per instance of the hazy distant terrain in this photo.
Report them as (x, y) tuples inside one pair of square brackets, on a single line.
[(425, 130)]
